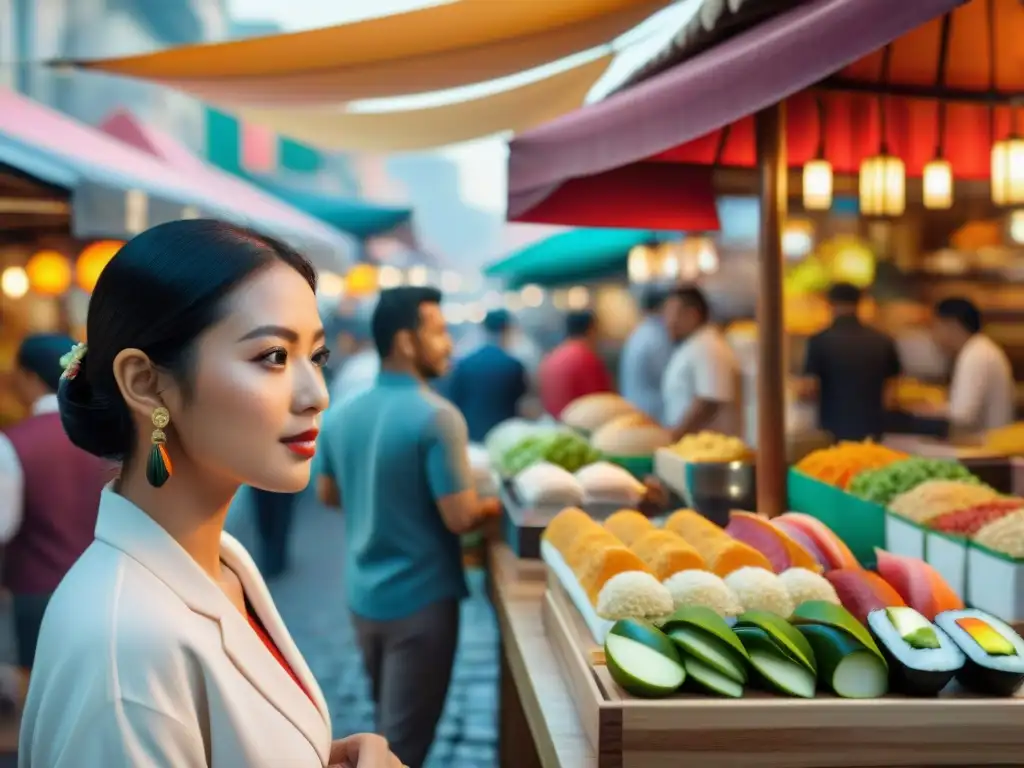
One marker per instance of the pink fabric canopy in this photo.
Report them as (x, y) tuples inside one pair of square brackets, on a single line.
[(231, 192)]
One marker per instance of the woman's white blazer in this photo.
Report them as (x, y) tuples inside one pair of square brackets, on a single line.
[(144, 662)]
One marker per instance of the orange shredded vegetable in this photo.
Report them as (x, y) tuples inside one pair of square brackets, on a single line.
[(839, 464)]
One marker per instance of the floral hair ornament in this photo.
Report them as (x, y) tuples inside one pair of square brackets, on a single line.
[(72, 361)]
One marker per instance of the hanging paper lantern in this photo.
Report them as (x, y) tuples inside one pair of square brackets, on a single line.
[(937, 185), (1008, 172), (882, 186), (817, 185), (92, 261), (49, 273)]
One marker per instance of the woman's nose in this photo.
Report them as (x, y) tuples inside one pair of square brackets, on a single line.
[(311, 389)]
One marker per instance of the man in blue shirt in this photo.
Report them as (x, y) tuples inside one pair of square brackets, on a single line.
[(645, 356), (395, 457), (488, 384)]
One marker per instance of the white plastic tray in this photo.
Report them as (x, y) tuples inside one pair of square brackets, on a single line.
[(598, 627)]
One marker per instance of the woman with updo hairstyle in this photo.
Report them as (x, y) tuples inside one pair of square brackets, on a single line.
[(162, 648)]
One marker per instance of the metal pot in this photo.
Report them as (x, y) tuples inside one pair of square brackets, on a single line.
[(715, 489)]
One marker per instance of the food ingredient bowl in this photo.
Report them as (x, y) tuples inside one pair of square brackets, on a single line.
[(715, 489)]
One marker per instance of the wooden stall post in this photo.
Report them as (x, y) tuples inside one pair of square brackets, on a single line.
[(770, 127)]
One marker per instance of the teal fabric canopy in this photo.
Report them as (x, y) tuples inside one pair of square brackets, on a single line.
[(356, 217), (573, 257)]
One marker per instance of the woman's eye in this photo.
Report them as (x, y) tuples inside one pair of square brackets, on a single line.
[(274, 357), (320, 357)]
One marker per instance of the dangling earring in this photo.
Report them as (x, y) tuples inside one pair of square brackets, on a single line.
[(158, 468)]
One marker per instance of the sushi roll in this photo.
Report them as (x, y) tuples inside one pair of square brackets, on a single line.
[(922, 658), (995, 653)]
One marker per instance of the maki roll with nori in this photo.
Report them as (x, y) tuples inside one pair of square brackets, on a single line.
[(922, 658), (995, 653)]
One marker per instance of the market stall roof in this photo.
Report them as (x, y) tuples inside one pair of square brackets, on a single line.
[(430, 49), (572, 257), (236, 199), (748, 71), (515, 109), (115, 191), (359, 218)]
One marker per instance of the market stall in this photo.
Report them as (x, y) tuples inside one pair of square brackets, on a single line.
[(873, 626), (883, 546)]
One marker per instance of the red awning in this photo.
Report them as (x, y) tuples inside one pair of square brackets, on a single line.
[(639, 196), (693, 100)]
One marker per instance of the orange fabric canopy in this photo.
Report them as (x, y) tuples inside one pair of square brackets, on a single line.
[(431, 49)]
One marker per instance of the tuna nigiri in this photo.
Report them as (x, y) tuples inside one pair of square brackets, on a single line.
[(862, 592), (918, 583)]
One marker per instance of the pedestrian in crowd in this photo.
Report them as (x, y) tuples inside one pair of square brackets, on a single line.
[(396, 458), (982, 393), (573, 368), (488, 384), (49, 491), (852, 370), (701, 386), (645, 356), (359, 371), (162, 645)]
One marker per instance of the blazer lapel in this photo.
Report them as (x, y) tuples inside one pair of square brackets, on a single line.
[(126, 527), (308, 713)]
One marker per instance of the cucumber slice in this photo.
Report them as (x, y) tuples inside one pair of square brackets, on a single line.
[(710, 651), (775, 668), (821, 612), (706, 620), (783, 674), (640, 669), (711, 679), (845, 666), (782, 634)]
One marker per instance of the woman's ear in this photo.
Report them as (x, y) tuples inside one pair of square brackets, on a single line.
[(139, 382)]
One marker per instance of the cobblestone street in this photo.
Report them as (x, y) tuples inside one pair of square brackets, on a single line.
[(311, 600)]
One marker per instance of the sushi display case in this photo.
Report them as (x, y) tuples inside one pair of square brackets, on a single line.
[(761, 729)]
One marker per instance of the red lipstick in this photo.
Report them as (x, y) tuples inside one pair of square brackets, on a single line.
[(302, 444)]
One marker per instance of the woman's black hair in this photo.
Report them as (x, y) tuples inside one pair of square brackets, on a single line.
[(158, 294)]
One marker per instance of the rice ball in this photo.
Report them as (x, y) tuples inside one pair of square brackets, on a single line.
[(633, 595), (703, 588), (803, 585), (760, 590)]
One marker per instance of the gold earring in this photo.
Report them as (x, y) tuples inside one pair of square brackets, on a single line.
[(158, 468)]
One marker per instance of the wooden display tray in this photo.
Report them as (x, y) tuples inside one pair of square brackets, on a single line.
[(765, 731)]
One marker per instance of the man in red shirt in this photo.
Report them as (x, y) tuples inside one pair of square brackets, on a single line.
[(573, 368)]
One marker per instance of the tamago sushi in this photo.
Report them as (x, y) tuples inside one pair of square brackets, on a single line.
[(922, 658), (995, 653)]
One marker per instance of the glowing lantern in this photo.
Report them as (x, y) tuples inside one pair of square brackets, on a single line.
[(817, 185), (641, 264), (1008, 171), (330, 285), (92, 261), (937, 185), (882, 186), (14, 282), (361, 280), (49, 273)]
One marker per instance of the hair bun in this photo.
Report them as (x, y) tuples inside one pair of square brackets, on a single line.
[(95, 424)]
